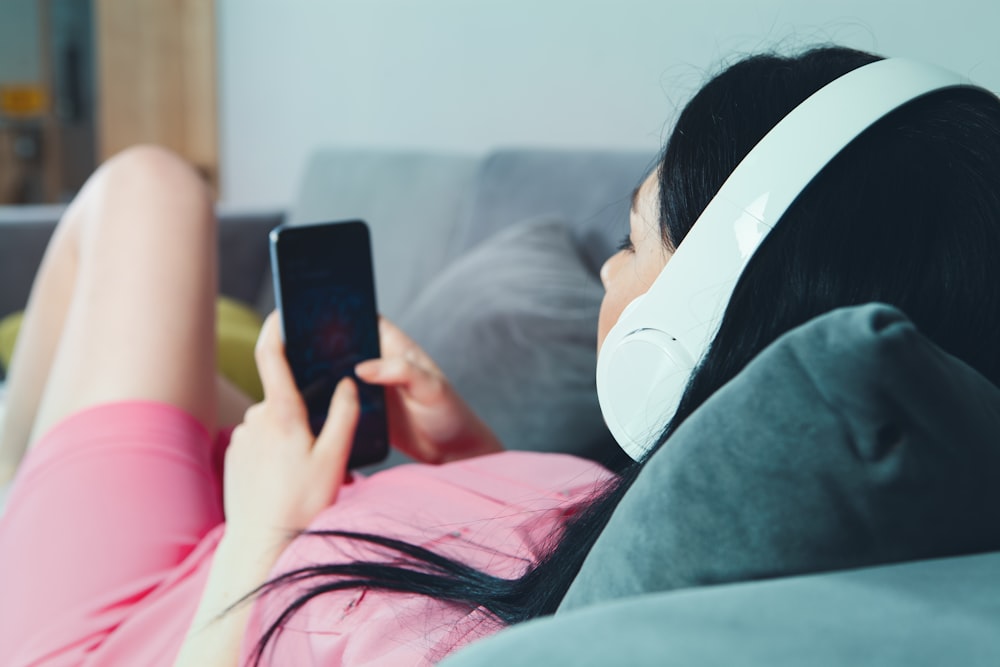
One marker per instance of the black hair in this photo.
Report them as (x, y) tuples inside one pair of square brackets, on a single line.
[(908, 214)]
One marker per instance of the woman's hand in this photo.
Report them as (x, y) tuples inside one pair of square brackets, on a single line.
[(427, 419), (278, 476)]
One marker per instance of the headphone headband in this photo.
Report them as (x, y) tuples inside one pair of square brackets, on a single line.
[(649, 355)]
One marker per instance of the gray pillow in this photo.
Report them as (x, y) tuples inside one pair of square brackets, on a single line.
[(850, 441), (921, 614), (513, 324)]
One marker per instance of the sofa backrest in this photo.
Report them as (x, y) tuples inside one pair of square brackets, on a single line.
[(425, 209), (25, 232), (410, 200), (588, 189)]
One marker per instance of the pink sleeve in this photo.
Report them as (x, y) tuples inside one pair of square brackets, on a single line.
[(497, 513)]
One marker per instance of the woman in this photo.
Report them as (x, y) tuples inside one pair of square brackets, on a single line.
[(909, 214)]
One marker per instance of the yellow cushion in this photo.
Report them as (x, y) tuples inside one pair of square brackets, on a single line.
[(237, 327), (9, 327)]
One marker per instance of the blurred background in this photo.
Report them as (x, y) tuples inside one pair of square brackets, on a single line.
[(46, 99), (246, 89)]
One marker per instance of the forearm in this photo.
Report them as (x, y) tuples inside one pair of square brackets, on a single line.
[(240, 565)]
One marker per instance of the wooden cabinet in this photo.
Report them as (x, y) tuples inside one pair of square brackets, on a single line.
[(156, 78)]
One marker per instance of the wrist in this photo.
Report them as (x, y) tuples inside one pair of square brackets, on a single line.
[(253, 545), (479, 440), (242, 562)]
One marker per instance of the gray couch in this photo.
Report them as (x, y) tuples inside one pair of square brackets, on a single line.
[(843, 516)]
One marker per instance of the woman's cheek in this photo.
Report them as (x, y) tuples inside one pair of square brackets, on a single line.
[(611, 309)]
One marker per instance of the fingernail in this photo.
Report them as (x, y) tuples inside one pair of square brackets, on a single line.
[(345, 388), (368, 368)]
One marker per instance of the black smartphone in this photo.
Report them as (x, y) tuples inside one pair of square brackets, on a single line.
[(324, 289)]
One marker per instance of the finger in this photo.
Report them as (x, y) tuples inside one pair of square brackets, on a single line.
[(391, 339), (391, 335), (333, 446), (396, 343), (275, 374), (394, 369), (392, 372), (370, 371), (420, 383)]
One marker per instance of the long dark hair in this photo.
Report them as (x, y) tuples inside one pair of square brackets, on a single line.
[(908, 214)]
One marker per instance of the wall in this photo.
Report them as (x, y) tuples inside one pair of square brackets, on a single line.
[(467, 75), (20, 56)]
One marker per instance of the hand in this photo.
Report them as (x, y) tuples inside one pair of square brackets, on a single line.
[(278, 476), (427, 419)]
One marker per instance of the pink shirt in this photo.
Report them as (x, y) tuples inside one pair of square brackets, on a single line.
[(498, 513), (111, 526)]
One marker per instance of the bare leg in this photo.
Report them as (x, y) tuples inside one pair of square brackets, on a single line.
[(40, 332), (39, 335), (123, 306), (231, 401)]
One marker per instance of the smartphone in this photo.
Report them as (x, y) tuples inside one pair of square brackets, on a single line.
[(324, 289)]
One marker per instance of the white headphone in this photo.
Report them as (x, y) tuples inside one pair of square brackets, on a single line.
[(650, 354)]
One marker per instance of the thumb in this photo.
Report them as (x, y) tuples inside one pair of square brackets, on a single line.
[(272, 365), (333, 446)]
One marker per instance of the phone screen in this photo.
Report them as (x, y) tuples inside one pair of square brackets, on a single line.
[(325, 292)]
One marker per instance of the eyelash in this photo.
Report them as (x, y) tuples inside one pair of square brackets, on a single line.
[(626, 244)]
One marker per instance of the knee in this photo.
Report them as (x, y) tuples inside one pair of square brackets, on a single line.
[(148, 165), (153, 178)]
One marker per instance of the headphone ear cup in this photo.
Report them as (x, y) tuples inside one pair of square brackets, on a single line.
[(640, 385)]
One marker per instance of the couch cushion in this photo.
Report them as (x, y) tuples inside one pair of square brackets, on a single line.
[(925, 614), (513, 325), (24, 235), (590, 189), (237, 327), (410, 200), (851, 441), (244, 257)]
